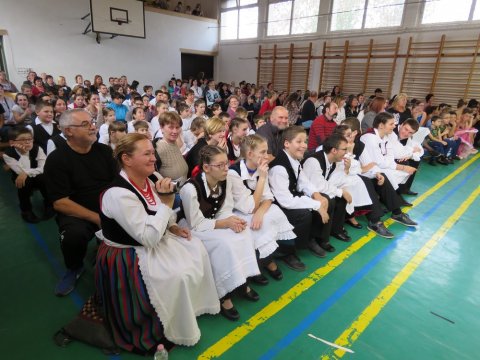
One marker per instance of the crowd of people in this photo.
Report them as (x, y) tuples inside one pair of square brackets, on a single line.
[(197, 190)]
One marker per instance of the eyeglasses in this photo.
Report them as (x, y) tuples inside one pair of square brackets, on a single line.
[(220, 166), (24, 140), (84, 124)]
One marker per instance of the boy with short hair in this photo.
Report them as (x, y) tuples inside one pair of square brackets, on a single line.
[(120, 109), (26, 161), (46, 129), (303, 205), (259, 121)]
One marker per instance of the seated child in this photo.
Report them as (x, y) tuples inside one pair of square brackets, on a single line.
[(116, 131), (26, 160), (196, 131), (47, 128), (437, 143), (253, 201), (305, 208), (208, 207), (238, 130)]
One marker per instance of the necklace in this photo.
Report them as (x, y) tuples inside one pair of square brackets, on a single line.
[(147, 193)]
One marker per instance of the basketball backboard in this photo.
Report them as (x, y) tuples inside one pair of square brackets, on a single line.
[(118, 17)]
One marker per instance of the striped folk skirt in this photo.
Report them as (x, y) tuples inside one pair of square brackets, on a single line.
[(132, 319)]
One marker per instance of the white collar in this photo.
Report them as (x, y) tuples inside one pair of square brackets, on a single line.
[(244, 174)]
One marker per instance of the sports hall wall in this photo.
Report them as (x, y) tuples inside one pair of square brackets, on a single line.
[(46, 35), (237, 60)]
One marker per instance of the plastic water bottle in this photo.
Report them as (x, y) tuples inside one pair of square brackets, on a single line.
[(161, 353)]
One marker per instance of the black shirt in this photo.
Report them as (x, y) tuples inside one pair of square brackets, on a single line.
[(81, 177)]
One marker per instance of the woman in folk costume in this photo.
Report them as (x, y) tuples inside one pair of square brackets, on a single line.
[(208, 204), (253, 202), (153, 277)]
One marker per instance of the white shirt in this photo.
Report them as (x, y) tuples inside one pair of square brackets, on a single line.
[(278, 180), (243, 198), (380, 150), (147, 229), (51, 145), (22, 165), (191, 206), (313, 171), (401, 151)]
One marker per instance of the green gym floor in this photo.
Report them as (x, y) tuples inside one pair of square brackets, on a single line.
[(414, 297)]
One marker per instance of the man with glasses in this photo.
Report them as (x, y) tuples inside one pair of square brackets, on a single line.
[(76, 174)]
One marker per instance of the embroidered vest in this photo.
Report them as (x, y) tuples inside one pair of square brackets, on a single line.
[(112, 229), (209, 206)]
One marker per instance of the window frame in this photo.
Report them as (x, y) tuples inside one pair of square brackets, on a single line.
[(237, 8), (470, 19), (364, 20), (290, 19)]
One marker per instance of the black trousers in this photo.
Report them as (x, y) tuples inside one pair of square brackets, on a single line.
[(402, 188), (339, 213), (25, 193), (385, 194), (75, 234)]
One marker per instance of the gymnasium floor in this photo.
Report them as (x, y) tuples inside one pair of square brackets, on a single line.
[(414, 297)]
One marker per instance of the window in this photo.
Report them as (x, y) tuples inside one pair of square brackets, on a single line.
[(442, 11), (476, 14), (292, 17), (363, 14), (239, 19)]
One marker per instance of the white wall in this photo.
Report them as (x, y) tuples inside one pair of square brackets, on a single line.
[(46, 35)]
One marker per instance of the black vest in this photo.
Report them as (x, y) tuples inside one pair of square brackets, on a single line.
[(41, 136), (231, 153), (282, 160), (58, 140), (112, 229), (236, 168), (32, 155), (320, 157), (209, 206), (358, 149)]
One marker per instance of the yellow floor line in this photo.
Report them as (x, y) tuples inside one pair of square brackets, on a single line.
[(350, 335), (237, 334)]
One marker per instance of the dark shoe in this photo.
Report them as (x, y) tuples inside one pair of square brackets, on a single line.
[(251, 295), (48, 213), (276, 274), (293, 262), (67, 283), (450, 160), (432, 161), (410, 193), (327, 247), (315, 249), (380, 230), (30, 217), (259, 279), (456, 157), (343, 236), (404, 219), (405, 202), (356, 226), (231, 314), (442, 160)]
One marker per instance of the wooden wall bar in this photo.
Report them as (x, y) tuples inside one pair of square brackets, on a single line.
[(448, 68)]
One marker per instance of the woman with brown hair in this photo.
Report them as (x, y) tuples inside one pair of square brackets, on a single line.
[(153, 277), (377, 106)]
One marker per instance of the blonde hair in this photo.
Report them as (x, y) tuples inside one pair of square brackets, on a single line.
[(398, 98), (213, 126), (250, 142), (127, 145), (241, 112)]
